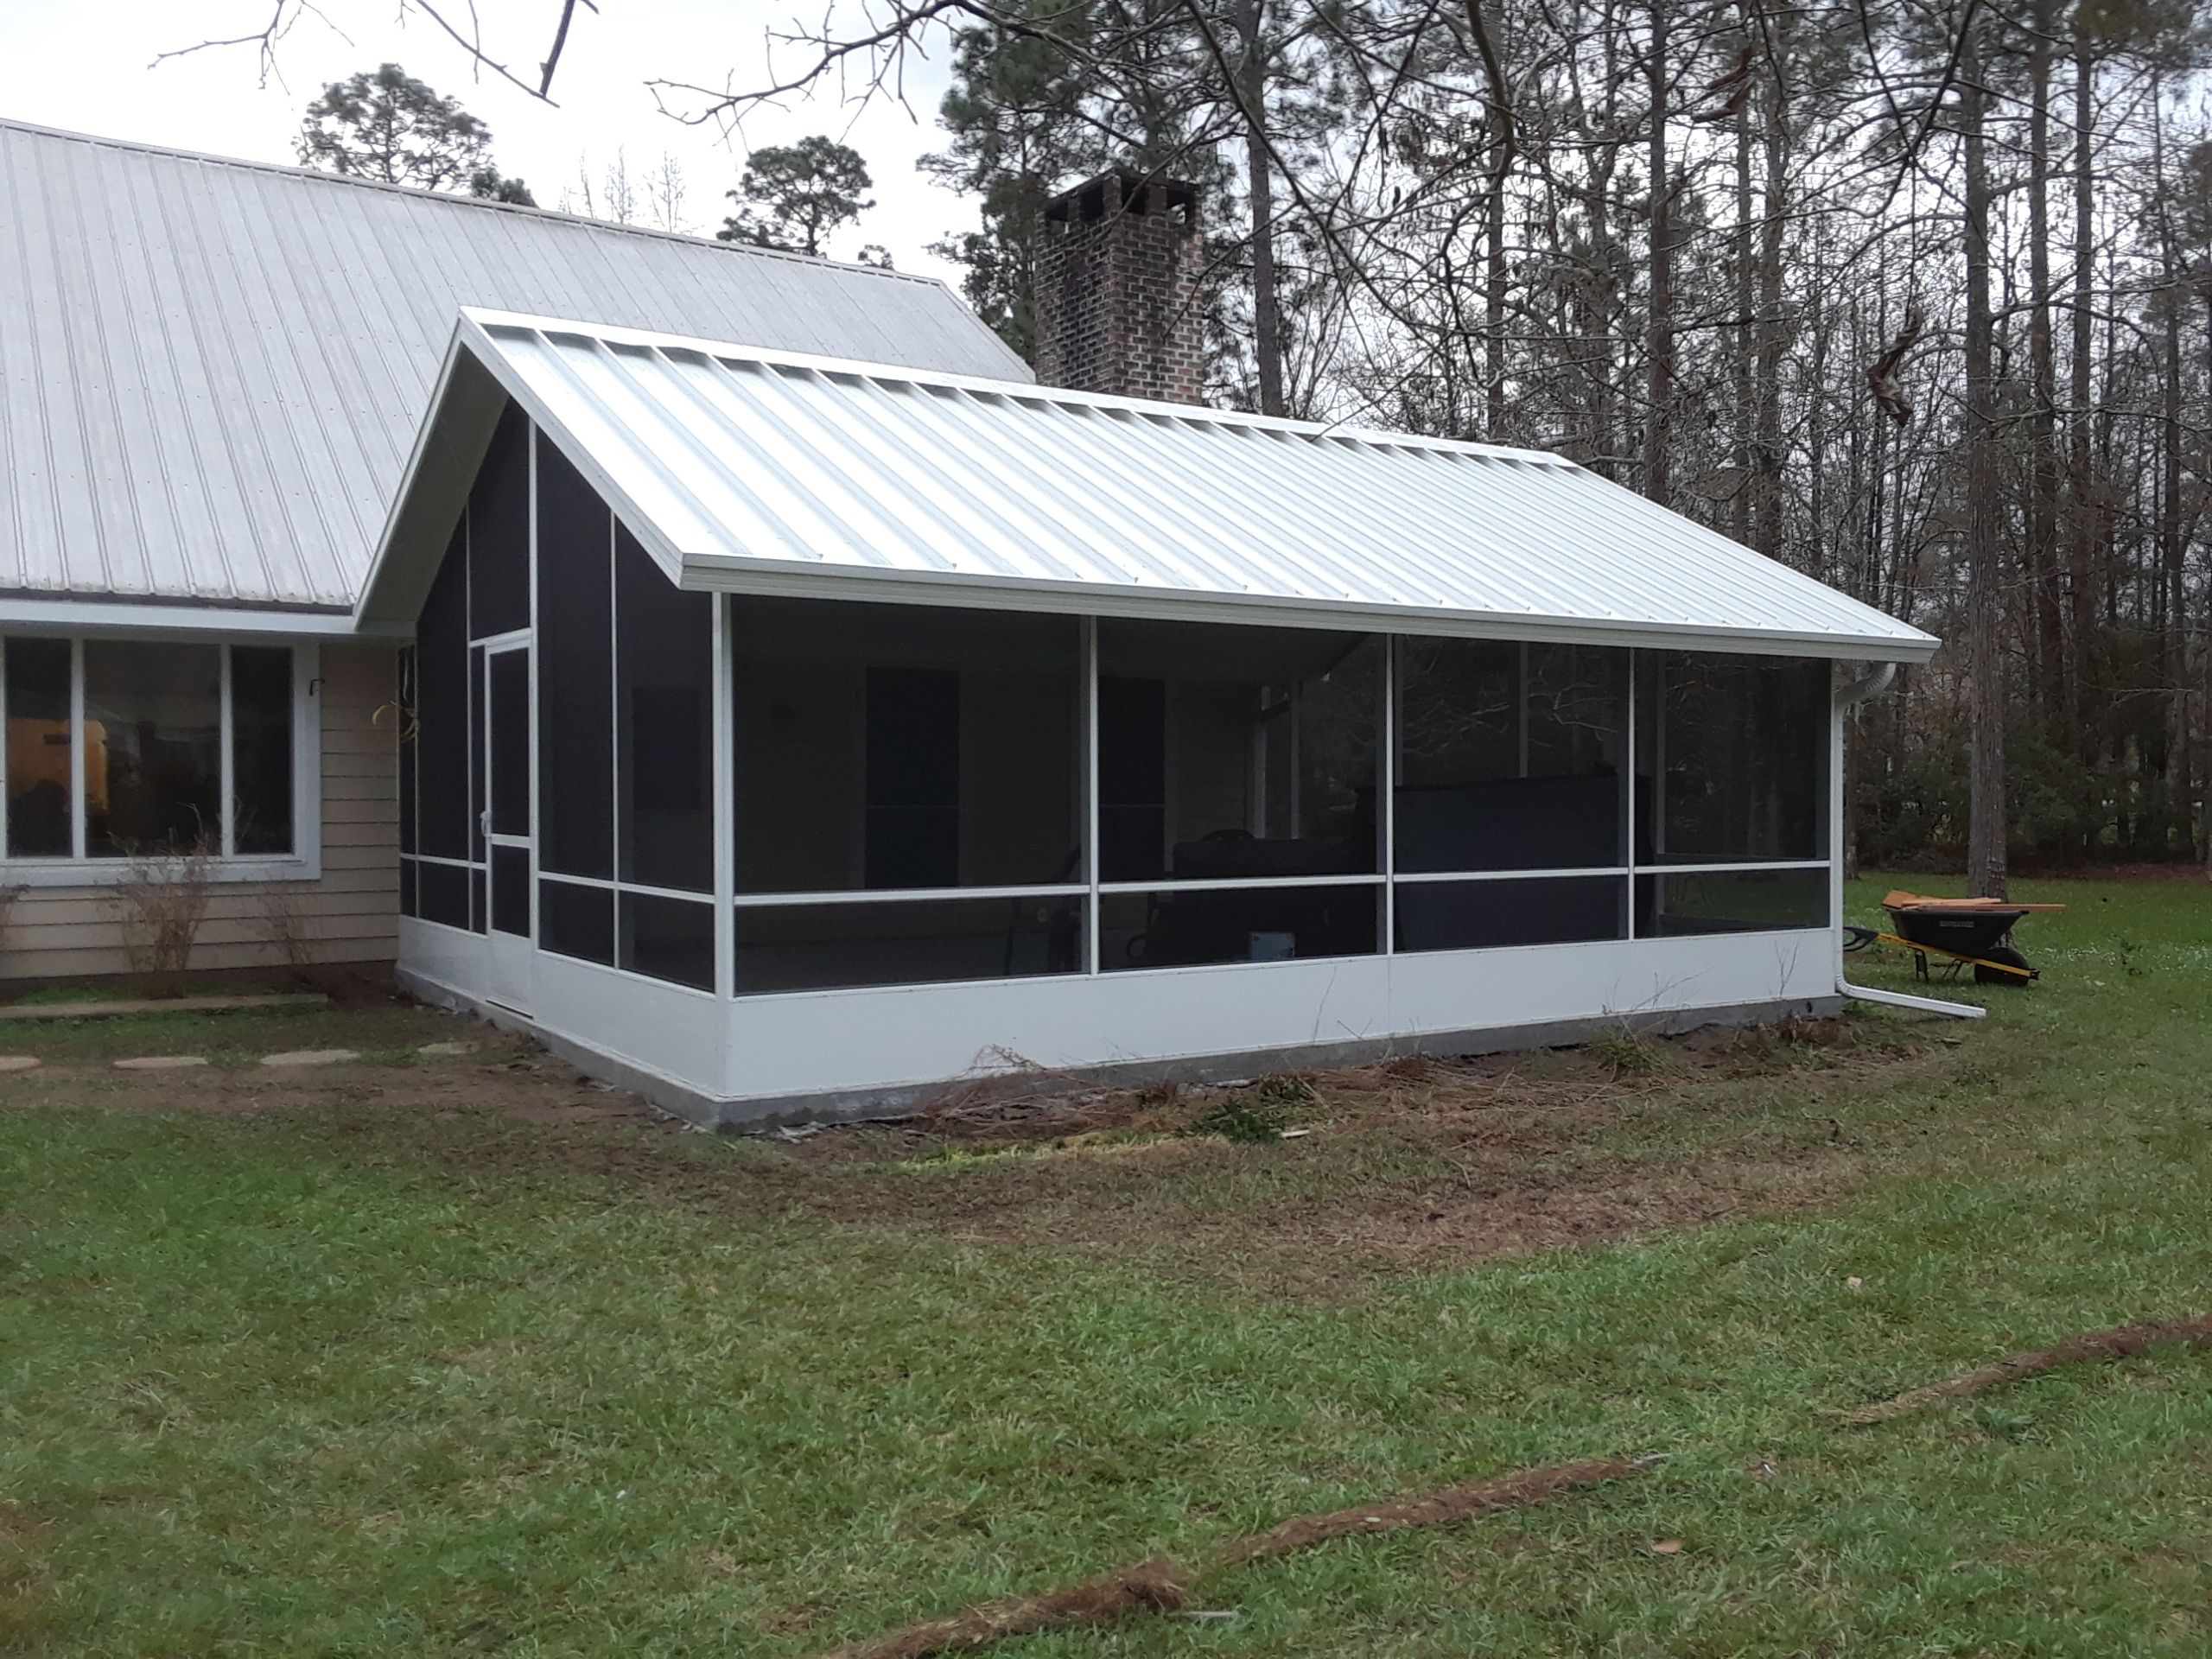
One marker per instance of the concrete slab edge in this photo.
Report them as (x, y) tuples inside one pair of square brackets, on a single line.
[(18, 1014), (864, 1105)]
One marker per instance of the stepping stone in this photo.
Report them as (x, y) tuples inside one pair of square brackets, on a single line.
[(18, 1062), (444, 1050), (160, 1062), (312, 1057)]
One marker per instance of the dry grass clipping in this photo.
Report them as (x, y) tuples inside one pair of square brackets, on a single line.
[(2121, 1341), (1161, 1585)]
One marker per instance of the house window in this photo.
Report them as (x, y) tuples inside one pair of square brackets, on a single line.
[(40, 750), (124, 748)]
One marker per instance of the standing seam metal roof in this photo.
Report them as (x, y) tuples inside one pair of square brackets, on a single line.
[(211, 371), (747, 469)]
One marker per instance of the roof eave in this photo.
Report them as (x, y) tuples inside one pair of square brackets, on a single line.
[(725, 573), (175, 618)]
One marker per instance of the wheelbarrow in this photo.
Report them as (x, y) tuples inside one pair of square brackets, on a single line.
[(1958, 933)]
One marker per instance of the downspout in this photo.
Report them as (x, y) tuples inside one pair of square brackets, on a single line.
[(1848, 696)]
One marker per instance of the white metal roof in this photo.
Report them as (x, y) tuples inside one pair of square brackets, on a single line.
[(211, 371), (762, 471)]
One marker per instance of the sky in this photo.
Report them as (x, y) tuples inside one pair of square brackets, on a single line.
[(89, 67)]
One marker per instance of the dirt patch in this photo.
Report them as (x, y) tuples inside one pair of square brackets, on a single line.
[(501, 1076), (1313, 1184), (1413, 1165)]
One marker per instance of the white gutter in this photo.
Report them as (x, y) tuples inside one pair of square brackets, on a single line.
[(1847, 697)]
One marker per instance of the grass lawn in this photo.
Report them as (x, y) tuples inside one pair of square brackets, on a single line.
[(444, 1356)]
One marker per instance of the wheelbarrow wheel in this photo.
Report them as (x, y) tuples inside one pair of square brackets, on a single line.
[(2005, 954)]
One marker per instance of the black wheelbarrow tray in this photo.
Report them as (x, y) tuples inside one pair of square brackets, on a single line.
[(1963, 933)]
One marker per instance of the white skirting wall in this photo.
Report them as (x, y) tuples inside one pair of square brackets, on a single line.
[(848, 1052)]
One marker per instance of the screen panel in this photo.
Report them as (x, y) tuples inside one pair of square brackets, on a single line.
[(511, 890), (1260, 761), (1511, 755), (498, 530), (507, 700), (668, 938), (665, 683), (905, 941), (1684, 902), (575, 703), (441, 893), (577, 921), (443, 717), (1173, 929), (1731, 758), (1485, 915), (828, 797)]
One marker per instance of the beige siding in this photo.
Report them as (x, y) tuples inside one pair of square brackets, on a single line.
[(352, 914)]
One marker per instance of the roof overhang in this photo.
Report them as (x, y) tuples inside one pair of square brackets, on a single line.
[(747, 471), (177, 619)]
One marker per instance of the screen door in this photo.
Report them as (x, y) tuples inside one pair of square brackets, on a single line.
[(506, 825)]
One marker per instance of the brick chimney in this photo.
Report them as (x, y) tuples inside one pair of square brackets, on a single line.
[(1117, 290)]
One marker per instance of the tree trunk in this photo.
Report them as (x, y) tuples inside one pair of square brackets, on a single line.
[(1660, 344), (1745, 339), (1766, 519), (1495, 279), (2080, 573), (2173, 545), (2043, 505), (1267, 304), (1986, 872)]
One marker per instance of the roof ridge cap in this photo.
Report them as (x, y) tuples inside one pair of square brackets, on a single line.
[(10, 124)]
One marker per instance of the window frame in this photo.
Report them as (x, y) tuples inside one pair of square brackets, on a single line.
[(79, 869)]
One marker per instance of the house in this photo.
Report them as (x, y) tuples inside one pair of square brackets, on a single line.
[(792, 705), (212, 373)]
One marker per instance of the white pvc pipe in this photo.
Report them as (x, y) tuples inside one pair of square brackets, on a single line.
[(1848, 697), (1902, 1000)]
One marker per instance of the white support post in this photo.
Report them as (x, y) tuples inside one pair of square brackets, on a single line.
[(723, 771), (77, 832), (1386, 793), (1091, 850), (3, 748), (537, 744), (1629, 802), (226, 811)]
